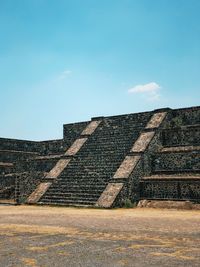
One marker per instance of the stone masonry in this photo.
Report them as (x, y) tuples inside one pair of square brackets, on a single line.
[(106, 161)]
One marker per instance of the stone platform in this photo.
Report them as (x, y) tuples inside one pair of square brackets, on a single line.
[(108, 161)]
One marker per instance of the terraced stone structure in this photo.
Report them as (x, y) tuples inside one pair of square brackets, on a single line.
[(107, 161)]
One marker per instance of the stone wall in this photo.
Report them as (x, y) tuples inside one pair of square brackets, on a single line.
[(41, 147), (51, 147), (18, 145), (176, 162), (6, 180), (108, 155), (72, 131), (182, 117), (175, 168), (172, 189), (10, 156), (7, 186), (37, 164), (6, 168), (181, 136), (26, 184), (131, 190)]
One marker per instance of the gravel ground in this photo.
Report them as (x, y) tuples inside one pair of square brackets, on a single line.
[(40, 236)]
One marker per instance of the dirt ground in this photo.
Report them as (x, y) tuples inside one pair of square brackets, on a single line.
[(39, 236)]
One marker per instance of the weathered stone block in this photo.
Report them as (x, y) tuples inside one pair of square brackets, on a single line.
[(75, 147), (38, 193), (126, 167), (59, 167), (143, 141), (109, 195), (156, 120), (91, 128)]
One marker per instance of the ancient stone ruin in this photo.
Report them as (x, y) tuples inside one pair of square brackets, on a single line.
[(106, 161)]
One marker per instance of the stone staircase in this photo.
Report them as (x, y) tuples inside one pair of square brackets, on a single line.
[(105, 161), (175, 169), (88, 173), (23, 163)]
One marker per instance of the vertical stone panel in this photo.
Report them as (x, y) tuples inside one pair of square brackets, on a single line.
[(75, 147), (91, 128), (126, 167), (38, 193), (156, 120), (142, 142), (109, 195), (58, 168)]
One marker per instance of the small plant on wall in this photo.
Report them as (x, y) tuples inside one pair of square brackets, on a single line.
[(127, 203)]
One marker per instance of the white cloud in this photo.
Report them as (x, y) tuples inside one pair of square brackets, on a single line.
[(64, 74), (150, 90), (143, 88)]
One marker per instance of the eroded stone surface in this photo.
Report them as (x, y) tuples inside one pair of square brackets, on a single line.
[(6, 164), (126, 167), (38, 193), (104, 153), (91, 128), (143, 141), (59, 167), (186, 205), (75, 147), (156, 120), (173, 177), (180, 149), (183, 161), (49, 157), (109, 195)]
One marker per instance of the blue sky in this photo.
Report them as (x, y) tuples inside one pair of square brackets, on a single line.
[(64, 61)]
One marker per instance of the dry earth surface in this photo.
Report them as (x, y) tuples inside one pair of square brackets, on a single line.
[(40, 236)]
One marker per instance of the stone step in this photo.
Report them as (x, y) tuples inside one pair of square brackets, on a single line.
[(123, 134), (107, 166), (108, 146), (85, 175), (80, 183), (67, 202), (81, 168), (75, 190), (88, 189), (100, 152), (70, 198), (70, 176), (91, 159), (73, 194), (77, 180)]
